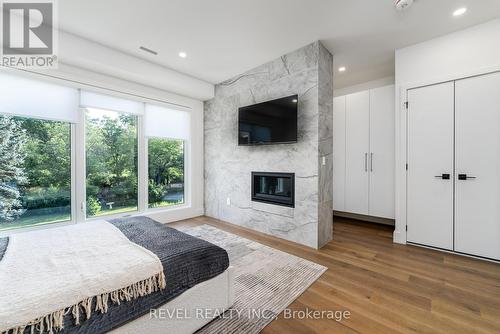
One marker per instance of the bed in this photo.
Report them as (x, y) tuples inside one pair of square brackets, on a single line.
[(197, 276)]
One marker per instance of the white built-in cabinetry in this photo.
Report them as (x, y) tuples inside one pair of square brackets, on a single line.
[(363, 153), (453, 176)]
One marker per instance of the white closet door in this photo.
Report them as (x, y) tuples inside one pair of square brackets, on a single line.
[(477, 200), (339, 134), (382, 152), (357, 152), (430, 154)]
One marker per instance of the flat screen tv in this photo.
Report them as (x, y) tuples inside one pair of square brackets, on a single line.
[(271, 122)]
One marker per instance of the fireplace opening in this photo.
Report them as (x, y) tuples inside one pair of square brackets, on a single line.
[(274, 188)]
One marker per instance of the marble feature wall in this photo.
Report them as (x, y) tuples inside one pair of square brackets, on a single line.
[(307, 72)]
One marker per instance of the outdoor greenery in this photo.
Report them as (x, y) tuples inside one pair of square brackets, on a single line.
[(166, 171), (111, 161), (35, 168)]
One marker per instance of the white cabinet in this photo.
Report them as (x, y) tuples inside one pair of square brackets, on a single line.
[(382, 141), (453, 179), (357, 152), (363, 150)]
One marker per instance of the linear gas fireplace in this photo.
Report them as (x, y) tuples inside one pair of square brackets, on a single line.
[(274, 188)]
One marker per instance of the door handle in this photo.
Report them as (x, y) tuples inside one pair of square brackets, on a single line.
[(371, 162), (366, 162), (465, 177), (443, 176)]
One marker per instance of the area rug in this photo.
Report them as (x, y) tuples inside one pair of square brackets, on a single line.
[(266, 281)]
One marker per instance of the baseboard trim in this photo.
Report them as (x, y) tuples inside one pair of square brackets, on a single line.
[(366, 218)]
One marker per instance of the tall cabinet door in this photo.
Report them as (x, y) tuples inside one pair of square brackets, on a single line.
[(381, 194), (477, 206), (339, 134), (430, 165), (357, 152)]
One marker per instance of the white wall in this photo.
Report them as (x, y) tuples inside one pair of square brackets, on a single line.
[(468, 52), (364, 86)]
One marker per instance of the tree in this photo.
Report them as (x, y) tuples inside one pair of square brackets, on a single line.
[(12, 176), (166, 161)]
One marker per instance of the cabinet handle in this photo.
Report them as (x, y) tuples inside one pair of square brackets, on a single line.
[(371, 162), (465, 177), (366, 162)]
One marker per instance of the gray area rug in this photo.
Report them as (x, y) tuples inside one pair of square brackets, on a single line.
[(266, 281)]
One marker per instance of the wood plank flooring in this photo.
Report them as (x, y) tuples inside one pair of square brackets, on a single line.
[(386, 287)]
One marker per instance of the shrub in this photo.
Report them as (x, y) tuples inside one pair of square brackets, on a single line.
[(156, 192), (50, 197), (93, 206)]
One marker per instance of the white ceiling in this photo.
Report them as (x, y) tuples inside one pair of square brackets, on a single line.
[(223, 38)]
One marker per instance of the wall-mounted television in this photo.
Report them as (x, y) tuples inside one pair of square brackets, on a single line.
[(271, 122)]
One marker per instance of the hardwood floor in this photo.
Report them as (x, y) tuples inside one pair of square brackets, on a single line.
[(386, 287)]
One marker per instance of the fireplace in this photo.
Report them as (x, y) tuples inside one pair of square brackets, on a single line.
[(274, 188)]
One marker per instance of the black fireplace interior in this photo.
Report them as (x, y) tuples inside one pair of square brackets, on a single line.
[(274, 188)]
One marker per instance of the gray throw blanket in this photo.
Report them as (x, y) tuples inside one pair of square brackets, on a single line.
[(186, 260)]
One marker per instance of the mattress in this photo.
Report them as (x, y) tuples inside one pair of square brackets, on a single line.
[(186, 261)]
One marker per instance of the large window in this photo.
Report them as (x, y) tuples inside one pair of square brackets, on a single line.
[(35, 172), (111, 158), (165, 172), (70, 155)]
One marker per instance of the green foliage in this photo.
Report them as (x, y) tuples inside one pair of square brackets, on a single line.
[(112, 158), (12, 175), (35, 167), (50, 197), (48, 153), (93, 206), (166, 160), (155, 192)]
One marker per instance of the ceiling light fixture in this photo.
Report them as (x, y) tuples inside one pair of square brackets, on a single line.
[(342, 69), (403, 4), (460, 11), (183, 54), (295, 100), (143, 48)]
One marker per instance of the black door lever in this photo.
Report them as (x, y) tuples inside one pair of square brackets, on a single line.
[(465, 177), (443, 176)]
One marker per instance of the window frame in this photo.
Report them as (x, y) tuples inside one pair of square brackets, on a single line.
[(78, 163)]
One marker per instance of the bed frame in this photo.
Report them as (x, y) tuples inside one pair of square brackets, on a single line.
[(216, 294)]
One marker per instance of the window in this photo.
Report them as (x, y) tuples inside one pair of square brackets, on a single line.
[(165, 172), (35, 172), (69, 155), (111, 159)]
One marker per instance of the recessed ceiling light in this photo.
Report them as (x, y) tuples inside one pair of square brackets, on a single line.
[(143, 48), (342, 69), (460, 11), (295, 100), (183, 54)]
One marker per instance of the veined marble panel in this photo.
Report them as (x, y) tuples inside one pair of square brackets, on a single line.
[(228, 166)]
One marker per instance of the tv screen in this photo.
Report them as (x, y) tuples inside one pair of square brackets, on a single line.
[(271, 122)]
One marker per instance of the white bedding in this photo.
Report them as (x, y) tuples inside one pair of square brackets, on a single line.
[(47, 273)]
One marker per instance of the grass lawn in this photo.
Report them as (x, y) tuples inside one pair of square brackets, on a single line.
[(34, 218)]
